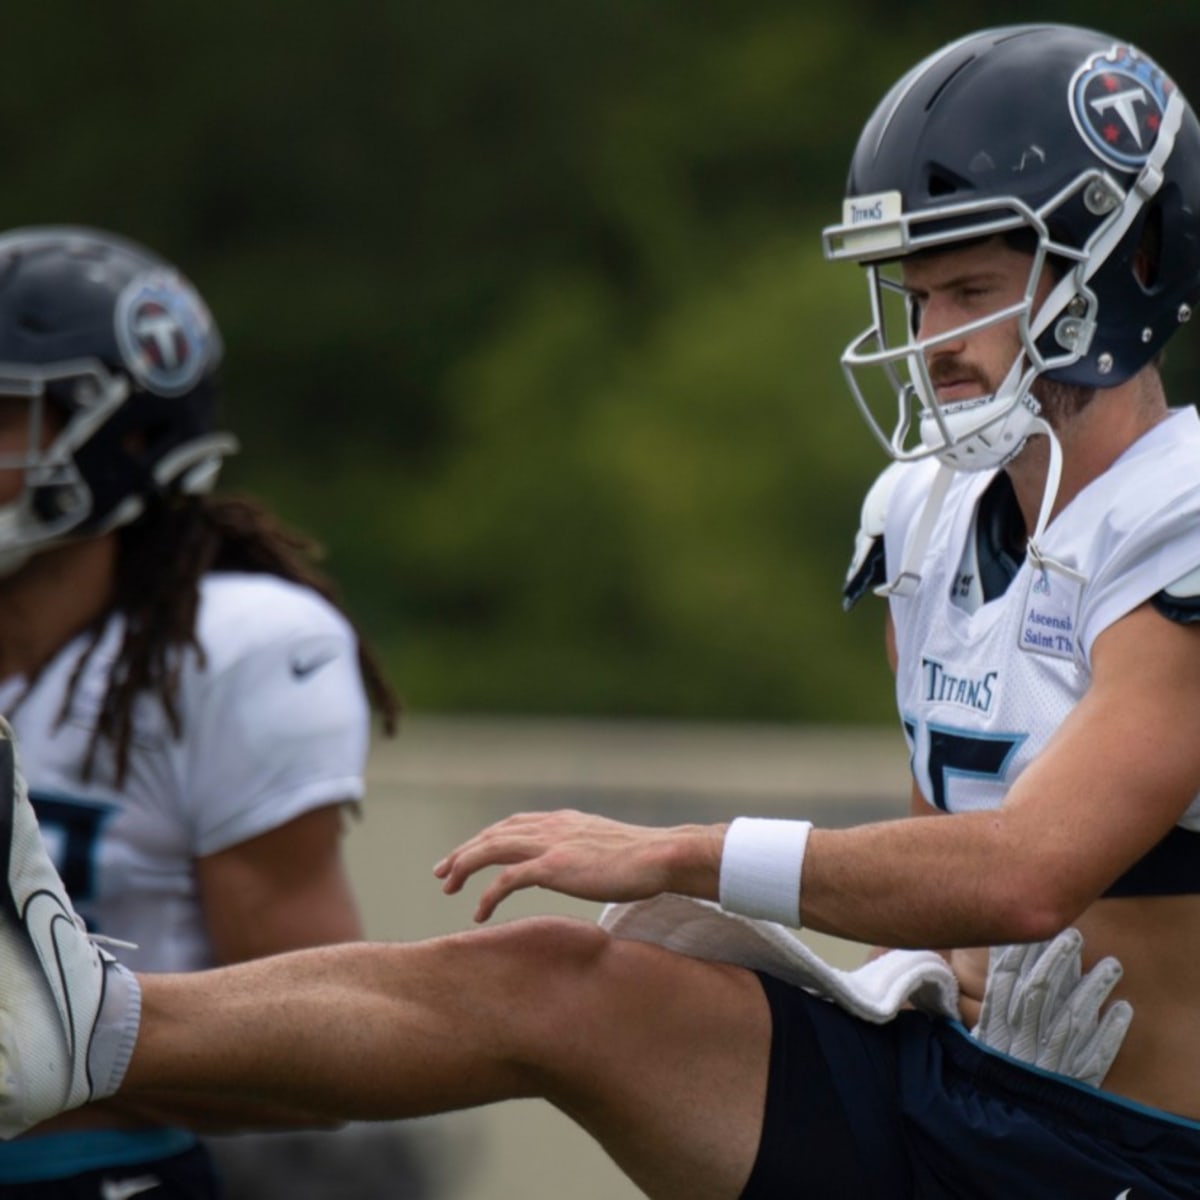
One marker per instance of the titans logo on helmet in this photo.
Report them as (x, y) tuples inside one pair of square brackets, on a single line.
[(1117, 102), (165, 333)]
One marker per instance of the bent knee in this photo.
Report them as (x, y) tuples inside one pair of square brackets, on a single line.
[(570, 975), (537, 950), (582, 955), (601, 1011)]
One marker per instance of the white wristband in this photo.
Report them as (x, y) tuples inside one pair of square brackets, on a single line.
[(761, 863)]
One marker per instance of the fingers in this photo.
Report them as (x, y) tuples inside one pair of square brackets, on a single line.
[(1054, 972), (1040, 1007), (1065, 968), (1004, 969), (1113, 1027), (1027, 984), (1004, 963), (585, 856), (457, 867), (1114, 1024), (1096, 987), (565, 851), (1000, 1011), (511, 880), (1081, 1043), (513, 840), (1093, 1059), (523, 871), (539, 872), (1078, 1028)]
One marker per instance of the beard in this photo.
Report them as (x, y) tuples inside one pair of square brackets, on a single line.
[(1061, 401)]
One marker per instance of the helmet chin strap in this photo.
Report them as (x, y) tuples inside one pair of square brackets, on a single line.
[(909, 579), (906, 583), (1049, 490)]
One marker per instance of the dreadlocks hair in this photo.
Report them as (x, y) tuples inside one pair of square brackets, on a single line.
[(161, 560)]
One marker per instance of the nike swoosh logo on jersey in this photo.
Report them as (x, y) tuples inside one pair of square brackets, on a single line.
[(123, 1189), (305, 665)]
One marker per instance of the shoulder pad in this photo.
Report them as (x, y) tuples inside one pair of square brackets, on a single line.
[(867, 567), (1185, 588), (1180, 601), (875, 503)]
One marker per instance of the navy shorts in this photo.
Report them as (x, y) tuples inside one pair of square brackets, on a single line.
[(183, 1174), (917, 1108)]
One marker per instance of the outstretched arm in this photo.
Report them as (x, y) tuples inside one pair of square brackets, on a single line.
[(1116, 778)]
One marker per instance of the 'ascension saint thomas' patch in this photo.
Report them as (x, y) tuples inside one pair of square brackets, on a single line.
[(1050, 624)]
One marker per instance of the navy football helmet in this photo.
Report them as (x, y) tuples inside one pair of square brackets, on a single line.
[(117, 355), (1073, 143)]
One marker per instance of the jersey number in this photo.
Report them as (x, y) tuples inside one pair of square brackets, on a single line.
[(71, 831), (956, 752)]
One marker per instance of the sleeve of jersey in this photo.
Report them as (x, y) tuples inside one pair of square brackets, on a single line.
[(281, 729), (1156, 562), (1180, 600)]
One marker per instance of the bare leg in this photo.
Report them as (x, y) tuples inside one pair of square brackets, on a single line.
[(663, 1059)]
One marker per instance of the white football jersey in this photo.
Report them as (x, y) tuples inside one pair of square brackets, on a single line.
[(275, 723), (981, 688)]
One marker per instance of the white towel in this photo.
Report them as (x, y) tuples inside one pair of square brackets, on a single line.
[(876, 991)]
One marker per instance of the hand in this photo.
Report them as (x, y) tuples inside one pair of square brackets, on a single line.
[(1041, 1008), (588, 857)]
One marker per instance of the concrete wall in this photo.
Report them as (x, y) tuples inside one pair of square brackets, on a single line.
[(444, 779)]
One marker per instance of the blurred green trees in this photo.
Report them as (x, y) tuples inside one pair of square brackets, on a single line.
[(525, 310)]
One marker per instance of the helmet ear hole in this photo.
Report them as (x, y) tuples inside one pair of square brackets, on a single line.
[(54, 501), (1147, 258), (942, 183)]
